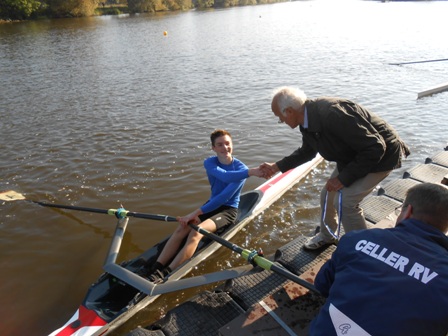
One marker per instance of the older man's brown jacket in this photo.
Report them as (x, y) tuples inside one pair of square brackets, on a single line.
[(356, 139)]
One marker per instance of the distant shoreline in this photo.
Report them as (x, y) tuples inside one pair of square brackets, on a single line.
[(9, 21), (99, 11)]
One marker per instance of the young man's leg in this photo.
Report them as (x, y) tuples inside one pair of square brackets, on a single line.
[(211, 222), (170, 248), (173, 244), (192, 243), (220, 218)]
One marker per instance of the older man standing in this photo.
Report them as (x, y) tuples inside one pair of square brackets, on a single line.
[(365, 148)]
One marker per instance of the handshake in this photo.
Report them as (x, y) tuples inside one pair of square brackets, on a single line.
[(265, 170)]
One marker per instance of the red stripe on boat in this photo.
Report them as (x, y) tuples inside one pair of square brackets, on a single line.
[(274, 181), (87, 318)]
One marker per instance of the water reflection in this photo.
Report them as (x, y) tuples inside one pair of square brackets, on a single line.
[(101, 111)]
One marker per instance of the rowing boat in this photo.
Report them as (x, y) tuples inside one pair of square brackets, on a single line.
[(121, 291)]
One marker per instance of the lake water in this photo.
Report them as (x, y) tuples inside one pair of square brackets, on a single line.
[(104, 111)]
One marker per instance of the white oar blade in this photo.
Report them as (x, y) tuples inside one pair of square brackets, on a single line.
[(11, 195)]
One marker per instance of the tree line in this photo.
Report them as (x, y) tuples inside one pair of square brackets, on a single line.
[(33, 9)]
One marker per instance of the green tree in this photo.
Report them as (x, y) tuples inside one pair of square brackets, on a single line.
[(72, 8), (185, 4), (18, 9), (171, 5), (226, 3), (247, 2), (204, 3), (178, 4), (142, 6)]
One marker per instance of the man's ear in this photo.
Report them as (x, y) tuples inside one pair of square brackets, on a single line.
[(289, 110), (407, 211)]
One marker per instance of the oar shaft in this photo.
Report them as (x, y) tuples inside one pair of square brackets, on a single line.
[(218, 239), (70, 207), (110, 212), (276, 268), (293, 277), (259, 260)]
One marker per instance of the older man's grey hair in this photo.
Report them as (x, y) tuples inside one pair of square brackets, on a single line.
[(287, 96)]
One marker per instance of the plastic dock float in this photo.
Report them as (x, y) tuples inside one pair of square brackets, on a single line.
[(431, 171)]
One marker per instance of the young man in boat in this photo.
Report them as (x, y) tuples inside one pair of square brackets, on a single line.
[(226, 175), (390, 281), (364, 146)]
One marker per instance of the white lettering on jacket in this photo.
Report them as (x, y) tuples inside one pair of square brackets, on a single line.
[(396, 261)]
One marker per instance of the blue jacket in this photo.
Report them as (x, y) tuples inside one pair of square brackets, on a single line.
[(386, 282), (226, 182)]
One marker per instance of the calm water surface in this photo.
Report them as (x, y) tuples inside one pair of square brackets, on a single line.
[(101, 111)]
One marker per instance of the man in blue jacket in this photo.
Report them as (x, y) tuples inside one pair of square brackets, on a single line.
[(384, 282)]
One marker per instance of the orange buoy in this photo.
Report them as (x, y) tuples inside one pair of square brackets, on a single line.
[(165, 33)]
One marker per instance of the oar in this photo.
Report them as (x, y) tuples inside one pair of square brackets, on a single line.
[(255, 259), (415, 62), (119, 213)]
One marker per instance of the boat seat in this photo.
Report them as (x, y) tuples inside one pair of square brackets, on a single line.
[(248, 201)]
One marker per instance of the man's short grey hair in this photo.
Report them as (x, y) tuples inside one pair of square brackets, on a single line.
[(289, 97), (429, 202)]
